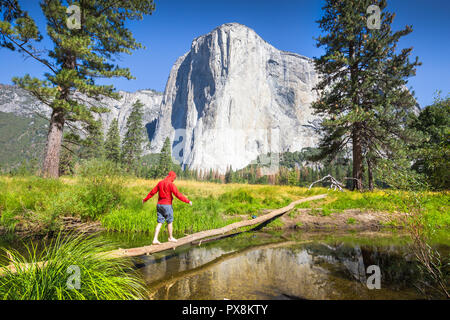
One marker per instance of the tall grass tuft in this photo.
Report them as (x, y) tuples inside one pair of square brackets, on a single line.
[(101, 278)]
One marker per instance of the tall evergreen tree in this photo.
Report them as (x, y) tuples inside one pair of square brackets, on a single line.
[(432, 157), (134, 138), (165, 159), (363, 100), (112, 143), (93, 144), (81, 53), (68, 158), (228, 174)]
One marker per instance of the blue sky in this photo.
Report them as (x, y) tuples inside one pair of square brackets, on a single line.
[(286, 24)]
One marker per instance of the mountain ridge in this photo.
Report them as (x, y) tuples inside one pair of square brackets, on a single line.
[(230, 79)]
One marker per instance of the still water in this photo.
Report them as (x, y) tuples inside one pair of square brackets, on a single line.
[(286, 266), (281, 265)]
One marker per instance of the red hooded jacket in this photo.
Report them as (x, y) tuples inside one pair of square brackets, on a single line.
[(165, 188)]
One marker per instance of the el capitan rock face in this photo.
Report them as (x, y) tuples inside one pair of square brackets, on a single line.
[(230, 99), (233, 97)]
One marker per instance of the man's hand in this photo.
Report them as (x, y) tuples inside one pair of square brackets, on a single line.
[(190, 203), (143, 201)]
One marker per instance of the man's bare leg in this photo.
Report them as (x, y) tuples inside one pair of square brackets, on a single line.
[(170, 229), (155, 239)]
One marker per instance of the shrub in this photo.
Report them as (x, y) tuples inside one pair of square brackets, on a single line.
[(98, 168), (101, 189), (100, 277), (238, 195)]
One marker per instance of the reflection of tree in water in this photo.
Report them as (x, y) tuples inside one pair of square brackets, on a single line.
[(397, 265), (311, 271)]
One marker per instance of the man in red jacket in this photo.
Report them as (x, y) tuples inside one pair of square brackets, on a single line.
[(164, 209)]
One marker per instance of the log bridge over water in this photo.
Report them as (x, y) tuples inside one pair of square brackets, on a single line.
[(198, 237)]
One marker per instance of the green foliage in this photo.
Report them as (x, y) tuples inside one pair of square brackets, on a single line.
[(165, 163), (70, 153), (99, 168), (435, 205), (434, 269), (433, 155), (21, 140), (363, 100), (239, 195), (16, 25), (134, 139), (93, 145), (101, 278), (77, 58), (99, 196), (101, 187), (112, 143), (37, 204), (397, 174)]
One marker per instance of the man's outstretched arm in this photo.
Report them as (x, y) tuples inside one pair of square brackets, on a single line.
[(151, 194), (178, 194)]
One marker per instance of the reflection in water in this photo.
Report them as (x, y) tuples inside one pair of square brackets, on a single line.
[(282, 270), (264, 266)]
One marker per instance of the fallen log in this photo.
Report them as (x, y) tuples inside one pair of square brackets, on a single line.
[(208, 233)]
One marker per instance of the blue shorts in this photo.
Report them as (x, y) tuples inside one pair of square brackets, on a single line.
[(164, 213)]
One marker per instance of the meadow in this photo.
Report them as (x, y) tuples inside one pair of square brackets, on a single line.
[(33, 207), (36, 205)]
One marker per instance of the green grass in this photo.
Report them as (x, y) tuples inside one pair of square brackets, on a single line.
[(38, 204), (435, 205), (100, 278)]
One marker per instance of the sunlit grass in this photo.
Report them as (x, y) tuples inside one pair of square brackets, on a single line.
[(117, 203), (100, 277), (436, 205)]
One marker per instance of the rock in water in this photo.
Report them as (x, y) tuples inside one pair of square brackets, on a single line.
[(234, 97)]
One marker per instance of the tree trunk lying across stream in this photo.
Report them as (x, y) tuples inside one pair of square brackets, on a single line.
[(208, 233), (133, 252)]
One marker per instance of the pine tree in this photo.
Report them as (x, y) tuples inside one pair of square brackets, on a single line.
[(112, 143), (68, 158), (363, 100), (292, 177), (80, 54), (432, 155), (93, 144), (165, 159), (228, 175), (134, 138)]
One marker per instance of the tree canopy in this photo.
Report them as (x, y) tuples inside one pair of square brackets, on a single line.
[(79, 56), (363, 101)]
